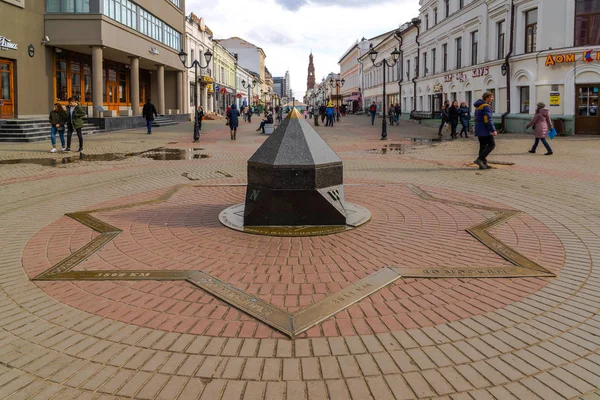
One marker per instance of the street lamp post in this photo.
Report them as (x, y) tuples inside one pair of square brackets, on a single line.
[(250, 86), (195, 64), (337, 84), (386, 64)]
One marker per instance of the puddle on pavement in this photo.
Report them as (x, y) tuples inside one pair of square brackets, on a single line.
[(160, 153), (401, 148)]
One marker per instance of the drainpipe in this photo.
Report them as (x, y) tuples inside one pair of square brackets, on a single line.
[(506, 65), (416, 22), (399, 39)]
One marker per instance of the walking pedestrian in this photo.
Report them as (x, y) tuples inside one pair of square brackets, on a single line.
[(243, 112), (373, 111), (75, 116), (453, 118), (397, 113), (249, 114), (227, 115), (149, 112), (322, 112), (465, 119), (330, 114), (541, 126), (58, 119), (391, 115), (232, 117), (484, 129), (199, 116), (444, 117)]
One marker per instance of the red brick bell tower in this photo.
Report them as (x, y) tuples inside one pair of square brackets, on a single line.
[(310, 81)]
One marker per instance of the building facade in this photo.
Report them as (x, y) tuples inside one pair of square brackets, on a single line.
[(198, 40), (113, 54), (242, 97), (224, 65), (351, 70), (249, 56), (464, 48)]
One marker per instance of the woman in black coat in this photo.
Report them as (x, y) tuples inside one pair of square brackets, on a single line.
[(233, 115), (453, 114)]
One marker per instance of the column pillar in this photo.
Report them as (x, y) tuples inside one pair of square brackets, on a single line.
[(205, 98), (160, 78), (97, 78), (180, 92), (135, 85)]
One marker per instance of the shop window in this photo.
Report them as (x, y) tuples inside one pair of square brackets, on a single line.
[(587, 23), (469, 99), (62, 90), (458, 53), (524, 100), (500, 39), (474, 47), (87, 81), (531, 30), (123, 87), (493, 92)]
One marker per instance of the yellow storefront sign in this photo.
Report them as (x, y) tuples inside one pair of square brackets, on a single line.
[(553, 59), (208, 79), (554, 99), (209, 88)]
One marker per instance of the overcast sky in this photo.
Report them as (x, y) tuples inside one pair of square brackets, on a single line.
[(287, 30)]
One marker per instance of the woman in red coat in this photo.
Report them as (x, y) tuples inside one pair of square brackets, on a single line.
[(541, 126)]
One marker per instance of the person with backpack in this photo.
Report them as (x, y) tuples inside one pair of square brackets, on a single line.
[(57, 119), (444, 116), (541, 126), (149, 112), (373, 111), (465, 119), (485, 130), (75, 116)]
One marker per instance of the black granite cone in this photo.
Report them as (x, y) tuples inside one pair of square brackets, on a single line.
[(295, 179)]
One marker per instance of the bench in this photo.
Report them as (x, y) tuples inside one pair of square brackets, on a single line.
[(421, 115)]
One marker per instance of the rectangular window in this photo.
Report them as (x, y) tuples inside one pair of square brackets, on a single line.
[(435, 16), (445, 57), (524, 100), (530, 30), (587, 23), (407, 69), (62, 91), (425, 70), (469, 99), (433, 61), (416, 67), (500, 40), (68, 6), (458, 53), (426, 21), (474, 46), (447, 8), (177, 3), (461, 4)]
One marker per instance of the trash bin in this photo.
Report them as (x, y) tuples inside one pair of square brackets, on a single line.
[(268, 129), (559, 125)]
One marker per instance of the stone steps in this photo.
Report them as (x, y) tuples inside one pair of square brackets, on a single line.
[(163, 121), (37, 130)]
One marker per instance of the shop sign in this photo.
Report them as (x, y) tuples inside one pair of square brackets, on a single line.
[(6, 44), (483, 71), (209, 88), (588, 56), (554, 99), (207, 79)]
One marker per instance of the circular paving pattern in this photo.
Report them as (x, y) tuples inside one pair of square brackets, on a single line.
[(184, 233)]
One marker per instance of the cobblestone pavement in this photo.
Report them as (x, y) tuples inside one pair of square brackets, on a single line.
[(454, 338)]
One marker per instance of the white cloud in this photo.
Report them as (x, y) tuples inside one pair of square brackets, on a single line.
[(288, 30)]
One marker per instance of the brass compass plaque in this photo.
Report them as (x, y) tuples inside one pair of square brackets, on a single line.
[(292, 324)]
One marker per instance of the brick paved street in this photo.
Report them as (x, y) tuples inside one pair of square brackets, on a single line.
[(528, 337)]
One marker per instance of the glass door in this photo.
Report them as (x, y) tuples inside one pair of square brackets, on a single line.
[(112, 95), (6, 89), (587, 119)]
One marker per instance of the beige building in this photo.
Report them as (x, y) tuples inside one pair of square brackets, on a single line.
[(108, 53)]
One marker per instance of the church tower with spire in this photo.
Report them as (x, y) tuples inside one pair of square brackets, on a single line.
[(310, 81)]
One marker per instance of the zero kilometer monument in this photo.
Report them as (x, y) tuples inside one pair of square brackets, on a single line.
[(295, 187)]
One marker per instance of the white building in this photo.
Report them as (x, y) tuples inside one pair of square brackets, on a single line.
[(351, 71), (249, 56), (463, 48), (198, 40), (242, 98)]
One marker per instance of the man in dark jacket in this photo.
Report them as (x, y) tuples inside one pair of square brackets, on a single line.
[(373, 111), (465, 119), (75, 116), (444, 117), (322, 112), (484, 129), (149, 112)]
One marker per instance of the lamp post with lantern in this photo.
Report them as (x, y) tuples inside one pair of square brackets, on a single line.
[(250, 86), (195, 64), (337, 84), (386, 64)]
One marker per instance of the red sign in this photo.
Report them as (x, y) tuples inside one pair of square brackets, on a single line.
[(483, 71), (239, 95)]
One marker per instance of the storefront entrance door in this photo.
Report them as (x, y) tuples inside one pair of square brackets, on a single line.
[(7, 90), (587, 119), (112, 95)]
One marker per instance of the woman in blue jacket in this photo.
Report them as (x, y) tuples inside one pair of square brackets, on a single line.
[(233, 115)]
